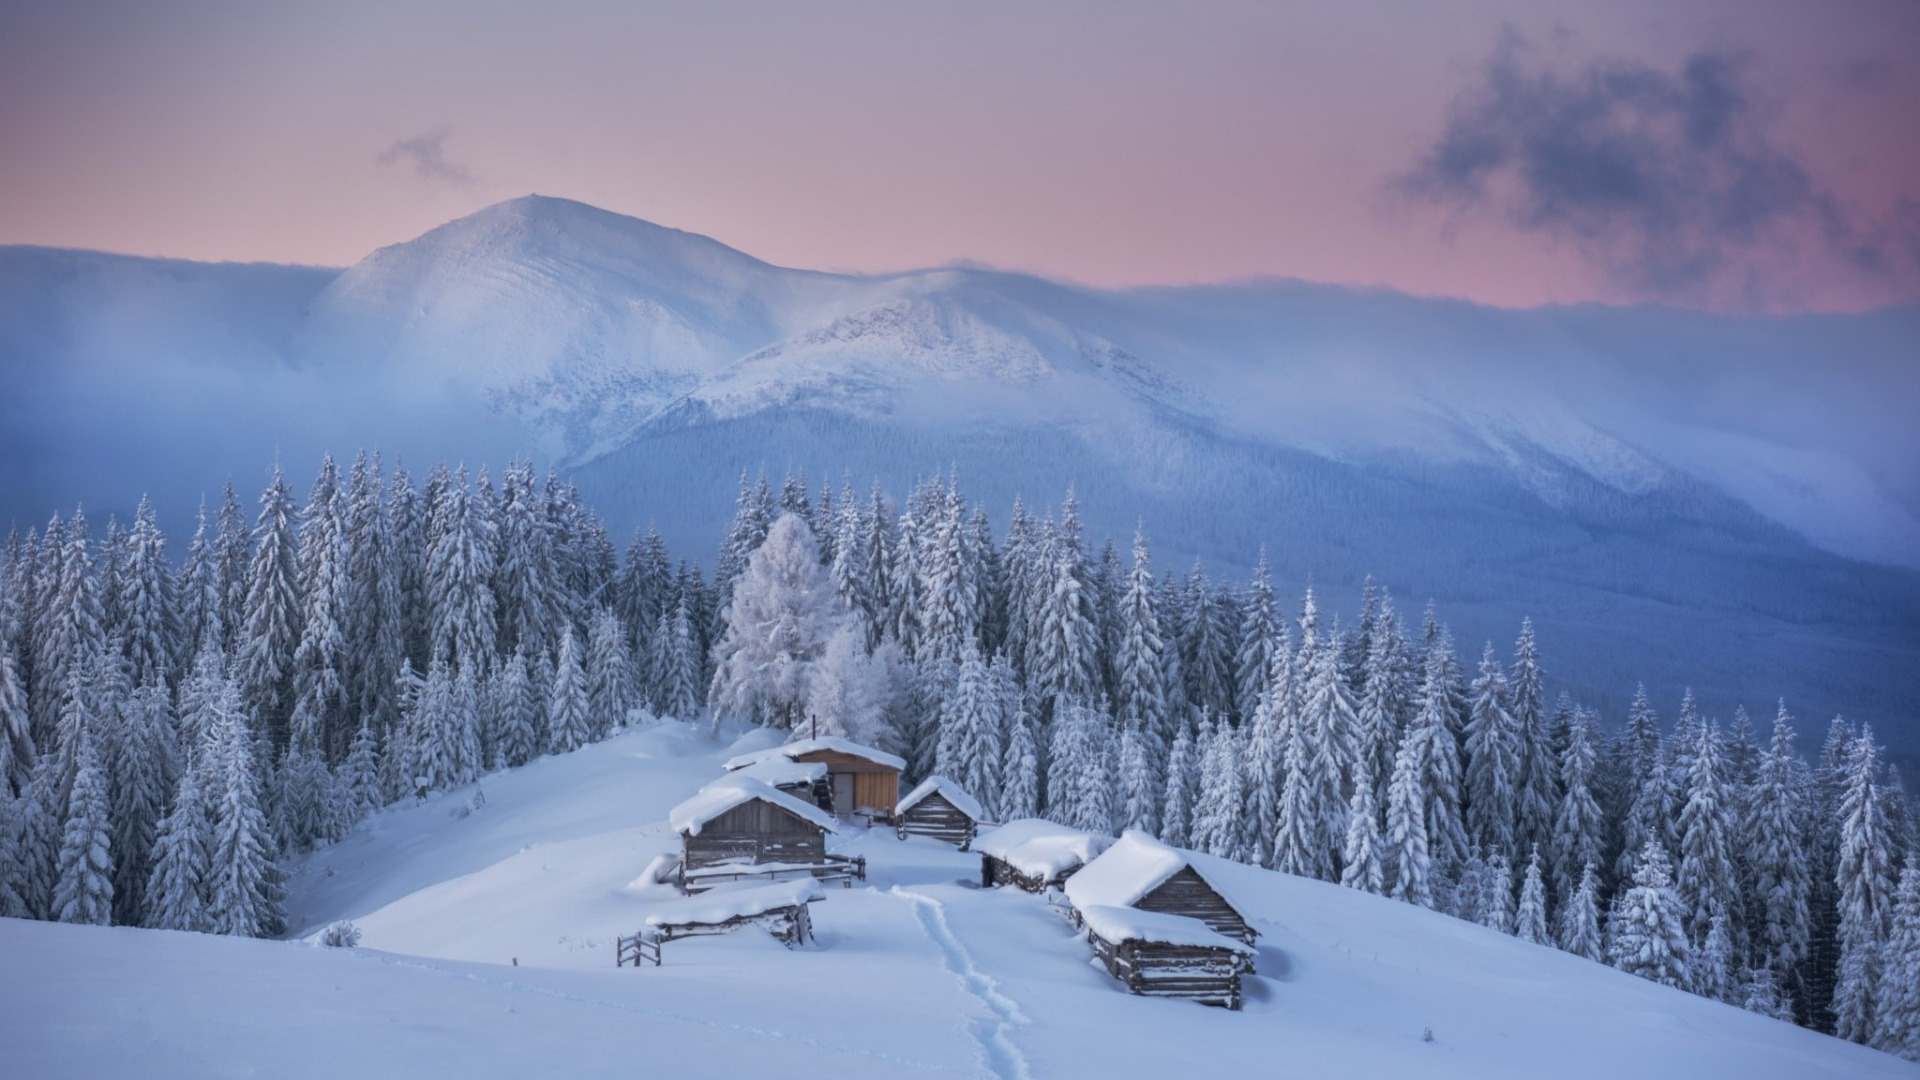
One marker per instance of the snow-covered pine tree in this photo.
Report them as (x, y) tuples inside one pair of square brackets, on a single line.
[(359, 776), (1360, 859), (175, 891), (320, 702), (1864, 883), (199, 594), (1328, 716), (1760, 993), (524, 572), (1530, 917), (1222, 806), (1439, 778), (371, 619), (83, 891), (460, 568), (1646, 935), (1384, 705), (1067, 644), (270, 631), (678, 664), (1176, 807), (1139, 787), (1265, 763), (1259, 642), (518, 711), (145, 761), (610, 677), (1298, 842), (1203, 651), (1537, 795), (1140, 672), (232, 547), (149, 631), (1496, 897), (1641, 756), (1579, 828), (969, 750), (1712, 966), (1408, 862), (17, 752), (568, 724), (1493, 761), (1896, 1017), (1020, 768), (242, 888), (1706, 881), (1580, 917)]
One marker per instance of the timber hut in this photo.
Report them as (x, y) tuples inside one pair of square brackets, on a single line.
[(1141, 872), (737, 819), (941, 809), (1034, 854), (860, 779), (1160, 955)]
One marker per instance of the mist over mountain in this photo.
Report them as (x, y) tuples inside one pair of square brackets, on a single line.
[(1727, 503)]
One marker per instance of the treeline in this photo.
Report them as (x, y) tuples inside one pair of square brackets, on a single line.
[(172, 731)]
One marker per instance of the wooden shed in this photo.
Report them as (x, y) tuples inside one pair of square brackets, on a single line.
[(738, 819), (860, 779), (941, 809), (1141, 872), (1161, 955), (1034, 854), (797, 778)]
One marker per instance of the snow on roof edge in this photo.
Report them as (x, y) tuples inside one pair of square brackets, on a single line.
[(948, 790), (1117, 924), (1134, 866), (825, 742), (733, 790)]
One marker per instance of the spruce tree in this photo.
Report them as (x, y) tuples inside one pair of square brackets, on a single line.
[(521, 736), (1493, 761), (1176, 814), (145, 598), (568, 726), (1706, 880), (1761, 993), (1140, 673), (1259, 641), (1580, 917), (1360, 859), (1139, 788), (145, 763), (1646, 935), (1713, 974), (1439, 765), (459, 579), (1020, 770), (1896, 1018), (175, 892), (610, 689), (242, 887), (270, 631), (1408, 860), (1864, 884), (1538, 794), (1579, 829), (83, 892), (1530, 918)]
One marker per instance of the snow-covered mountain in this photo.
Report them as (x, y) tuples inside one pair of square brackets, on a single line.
[(489, 938), (1727, 503)]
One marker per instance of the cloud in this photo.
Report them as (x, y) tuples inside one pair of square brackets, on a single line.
[(1671, 183), (427, 155)]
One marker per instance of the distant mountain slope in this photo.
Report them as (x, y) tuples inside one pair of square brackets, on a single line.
[(1685, 494)]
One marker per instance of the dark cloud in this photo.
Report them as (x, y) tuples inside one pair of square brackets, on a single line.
[(1670, 182), (427, 156)]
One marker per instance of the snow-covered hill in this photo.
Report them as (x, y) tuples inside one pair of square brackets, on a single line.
[(919, 972)]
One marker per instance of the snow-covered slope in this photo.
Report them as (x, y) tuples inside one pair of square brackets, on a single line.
[(919, 972)]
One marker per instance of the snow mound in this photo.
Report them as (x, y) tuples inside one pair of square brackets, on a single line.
[(1134, 866), (722, 904), (1040, 848), (829, 743)]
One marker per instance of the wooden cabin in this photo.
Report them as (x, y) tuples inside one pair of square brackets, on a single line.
[(1141, 872), (1161, 955), (737, 819), (1034, 854), (860, 779), (941, 809), (799, 779)]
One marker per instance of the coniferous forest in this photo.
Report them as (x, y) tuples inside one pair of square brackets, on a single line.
[(173, 720)]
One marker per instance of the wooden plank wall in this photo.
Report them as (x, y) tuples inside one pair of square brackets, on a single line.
[(936, 817), (757, 832), (1187, 893)]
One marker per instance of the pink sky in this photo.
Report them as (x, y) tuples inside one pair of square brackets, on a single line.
[(1110, 143)]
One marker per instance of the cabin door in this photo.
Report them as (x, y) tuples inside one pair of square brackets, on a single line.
[(843, 793)]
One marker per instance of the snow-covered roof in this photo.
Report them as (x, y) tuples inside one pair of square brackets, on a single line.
[(1134, 866), (948, 790), (734, 790), (1117, 924), (780, 771), (722, 904), (1039, 848), (833, 743)]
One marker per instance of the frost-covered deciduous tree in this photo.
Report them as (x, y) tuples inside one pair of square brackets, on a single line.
[(783, 613)]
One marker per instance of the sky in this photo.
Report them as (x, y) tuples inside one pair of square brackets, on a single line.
[(1739, 155)]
